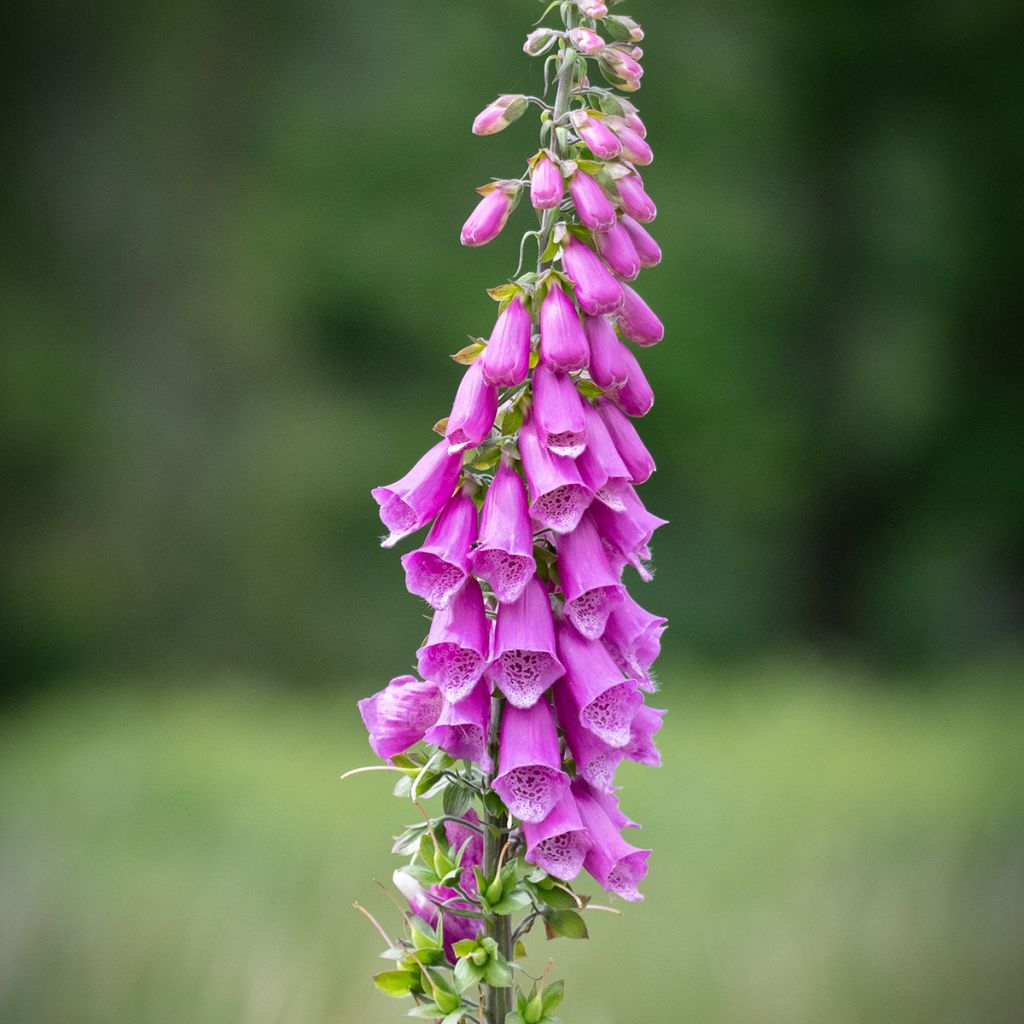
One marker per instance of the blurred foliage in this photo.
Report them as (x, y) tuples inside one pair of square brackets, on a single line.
[(235, 278), (837, 852)]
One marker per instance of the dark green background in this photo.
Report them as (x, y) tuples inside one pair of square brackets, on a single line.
[(233, 278)]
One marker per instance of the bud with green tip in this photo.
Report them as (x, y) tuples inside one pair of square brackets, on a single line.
[(625, 29), (497, 116), (540, 41)]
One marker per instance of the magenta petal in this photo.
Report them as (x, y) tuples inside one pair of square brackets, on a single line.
[(462, 837), (559, 843), (530, 779), (600, 465), (627, 534), (640, 747), (400, 714), (506, 360), (633, 638), (488, 218), (437, 569), (591, 587), (618, 866), (607, 702), (523, 660), (558, 411), (595, 761), (413, 501), (461, 729), (504, 554), (473, 411), (609, 803), (563, 345), (616, 248), (635, 201), (637, 321), (600, 139), (546, 184), (558, 496), (646, 248), (609, 367), (593, 206), (630, 447), (597, 291), (457, 647), (634, 148), (635, 397)]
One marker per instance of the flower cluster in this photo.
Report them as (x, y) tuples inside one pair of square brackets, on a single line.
[(537, 660)]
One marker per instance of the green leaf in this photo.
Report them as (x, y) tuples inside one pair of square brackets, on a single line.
[(466, 356), (553, 995), (396, 984), (498, 974), (464, 947), (558, 898), (456, 801), (511, 903), (467, 974), (514, 1017), (520, 951), (427, 1011), (455, 1016), (566, 923)]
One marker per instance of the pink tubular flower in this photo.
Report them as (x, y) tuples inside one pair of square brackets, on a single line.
[(530, 779), (607, 702), (437, 570), (558, 496), (602, 469), (597, 291), (546, 184), (633, 638), (458, 644), (399, 715), (635, 397), (593, 8), (424, 904), (609, 369), (637, 321), (473, 411), (593, 206), (616, 248), (559, 843), (497, 116), (523, 660), (609, 803), (586, 41), (413, 501), (558, 412), (491, 213), (646, 248), (634, 148), (506, 360), (630, 447), (635, 201), (640, 747), (595, 761), (590, 586), (461, 729), (504, 554), (599, 138), (563, 345), (627, 534), (618, 866)]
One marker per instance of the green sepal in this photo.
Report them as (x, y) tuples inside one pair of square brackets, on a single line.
[(464, 947), (467, 974), (511, 903), (456, 1015), (488, 460), (552, 996), (611, 105), (456, 801), (466, 356), (427, 1011), (396, 984), (588, 388), (566, 923), (514, 1017), (520, 950), (497, 973)]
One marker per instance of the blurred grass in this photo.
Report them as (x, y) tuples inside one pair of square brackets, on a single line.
[(827, 850)]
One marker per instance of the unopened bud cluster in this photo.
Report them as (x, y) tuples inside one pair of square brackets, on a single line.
[(533, 673)]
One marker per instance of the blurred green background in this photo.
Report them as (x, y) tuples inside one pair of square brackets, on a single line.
[(231, 281)]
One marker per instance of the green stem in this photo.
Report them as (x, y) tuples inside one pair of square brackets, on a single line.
[(499, 926)]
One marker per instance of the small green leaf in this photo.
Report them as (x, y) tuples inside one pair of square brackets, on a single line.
[(498, 974), (396, 984), (566, 923), (552, 996), (514, 1017), (520, 951), (467, 355), (558, 898), (456, 801), (511, 903), (467, 974), (464, 947), (426, 1011), (455, 1016), (503, 292)]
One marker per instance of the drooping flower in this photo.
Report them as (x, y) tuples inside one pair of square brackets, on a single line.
[(635, 397), (461, 729), (626, 28), (458, 644), (558, 411), (530, 779), (558, 496), (647, 249), (437, 569), (595, 760), (473, 412), (399, 715), (620, 69), (606, 700), (524, 662), (609, 367), (615, 247), (497, 116), (424, 904), (635, 201), (640, 747), (633, 638), (504, 554), (594, 208), (637, 321), (491, 213), (410, 503), (628, 443), (618, 866), (627, 534), (559, 843), (506, 360), (563, 345), (598, 137), (608, 801), (546, 184), (635, 148), (591, 587), (586, 40), (596, 289), (600, 465)]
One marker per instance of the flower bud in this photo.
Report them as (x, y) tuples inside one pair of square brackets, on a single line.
[(646, 247), (593, 206), (625, 29), (494, 892), (635, 201), (506, 360), (546, 184), (563, 345), (539, 41), (598, 137), (448, 1002), (619, 69), (634, 148), (586, 40), (534, 1009), (593, 8), (618, 251), (479, 955), (597, 291), (497, 116), (491, 213)]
